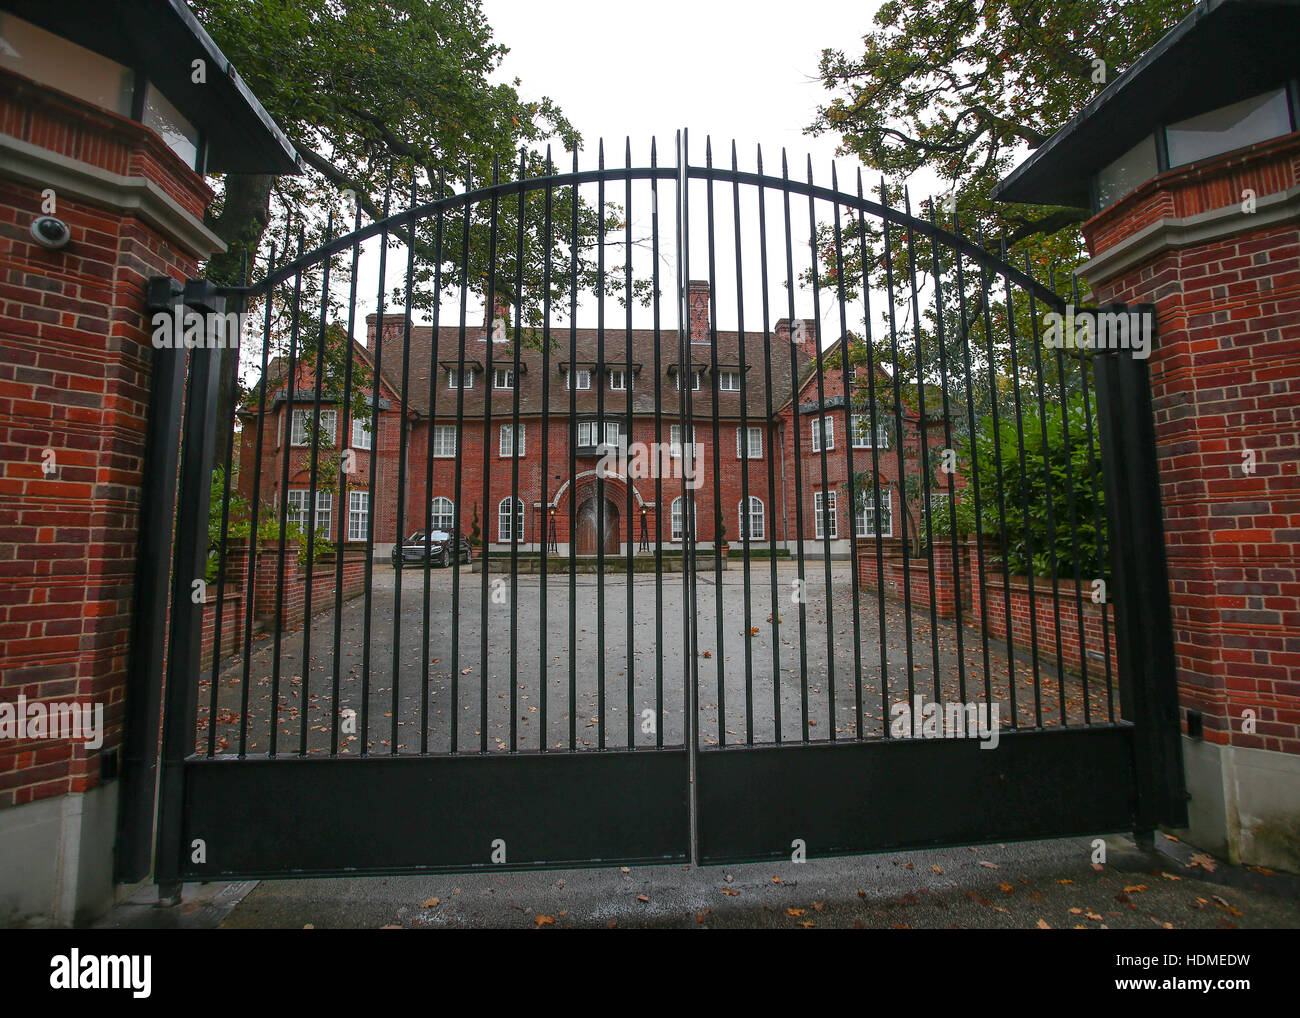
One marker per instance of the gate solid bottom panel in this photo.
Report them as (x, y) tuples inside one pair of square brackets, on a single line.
[(326, 817), (873, 796)]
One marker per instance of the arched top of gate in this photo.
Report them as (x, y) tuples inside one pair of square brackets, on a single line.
[(673, 174)]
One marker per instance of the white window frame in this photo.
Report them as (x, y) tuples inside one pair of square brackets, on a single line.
[(505, 523), (358, 515), (861, 426), (506, 440), (300, 499), (755, 432), (508, 373), (726, 376), (697, 380), (624, 378), (440, 433), (822, 426), (362, 437), (469, 379), (676, 521), (584, 375), (869, 506), (440, 518), (830, 513), (757, 512), (298, 437)]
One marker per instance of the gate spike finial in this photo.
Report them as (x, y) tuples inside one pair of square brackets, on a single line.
[(785, 165), (654, 152), (600, 155), (907, 200), (884, 194), (859, 181), (759, 149), (575, 160), (835, 180), (810, 176), (708, 150), (734, 164)]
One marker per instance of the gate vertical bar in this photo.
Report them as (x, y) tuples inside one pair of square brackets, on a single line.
[(181, 691), (144, 700), (1144, 624)]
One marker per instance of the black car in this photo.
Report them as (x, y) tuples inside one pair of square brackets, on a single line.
[(438, 549)]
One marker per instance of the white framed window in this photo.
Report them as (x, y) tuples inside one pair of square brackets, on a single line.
[(823, 427), (444, 440), (452, 379), (328, 424), (752, 526), (299, 503), (868, 519), (580, 379), (358, 515), (503, 378), (362, 437), (729, 381), (697, 380), (589, 433), (676, 517), (621, 381), (510, 525), (506, 443), (825, 519), (862, 433), (442, 514), (675, 440), (755, 443)]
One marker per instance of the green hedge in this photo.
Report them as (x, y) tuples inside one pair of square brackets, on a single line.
[(1025, 491)]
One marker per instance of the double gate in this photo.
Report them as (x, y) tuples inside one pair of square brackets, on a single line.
[(822, 486)]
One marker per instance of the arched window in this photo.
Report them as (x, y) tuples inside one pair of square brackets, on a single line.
[(509, 530), (753, 527), (677, 520), (442, 515)]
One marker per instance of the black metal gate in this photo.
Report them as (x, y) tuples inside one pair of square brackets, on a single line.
[(664, 648)]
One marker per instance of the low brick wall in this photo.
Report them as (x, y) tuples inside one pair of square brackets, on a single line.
[(1045, 617), (267, 572), (918, 576)]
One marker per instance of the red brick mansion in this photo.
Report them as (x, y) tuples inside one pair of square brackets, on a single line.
[(562, 411)]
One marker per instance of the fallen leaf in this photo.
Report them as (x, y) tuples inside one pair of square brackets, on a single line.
[(937, 868), (1065, 881), (990, 865), (1005, 888), (1135, 888), (544, 920), (642, 897), (431, 903), (808, 924), (728, 890), (1169, 876), (796, 911), (1204, 861), (1042, 924), (819, 905)]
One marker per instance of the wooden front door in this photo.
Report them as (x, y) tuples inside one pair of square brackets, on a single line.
[(590, 535)]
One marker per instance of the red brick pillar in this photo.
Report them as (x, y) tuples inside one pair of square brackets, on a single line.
[(75, 371), (1216, 247)]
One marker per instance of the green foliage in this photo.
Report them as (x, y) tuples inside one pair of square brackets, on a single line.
[(1046, 480), (239, 527), (475, 538), (964, 89)]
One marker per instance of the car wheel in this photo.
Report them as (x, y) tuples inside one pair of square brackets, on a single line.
[(444, 559)]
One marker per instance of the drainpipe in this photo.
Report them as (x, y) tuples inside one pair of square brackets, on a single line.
[(785, 527)]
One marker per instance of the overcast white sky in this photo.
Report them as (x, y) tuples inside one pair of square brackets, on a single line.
[(743, 71)]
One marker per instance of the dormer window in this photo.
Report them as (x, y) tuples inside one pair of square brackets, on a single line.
[(620, 381), (697, 382), (729, 381), (453, 376)]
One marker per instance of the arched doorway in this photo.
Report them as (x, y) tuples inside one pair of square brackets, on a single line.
[(592, 530)]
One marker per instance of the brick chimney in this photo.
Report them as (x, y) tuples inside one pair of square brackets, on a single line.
[(803, 334), (501, 318), (698, 296)]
